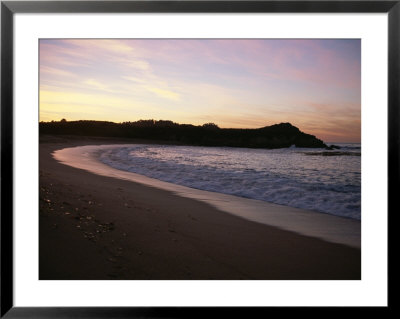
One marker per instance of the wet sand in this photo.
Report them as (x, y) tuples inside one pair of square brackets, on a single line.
[(97, 227)]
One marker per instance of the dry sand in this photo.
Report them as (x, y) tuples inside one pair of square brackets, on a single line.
[(97, 227)]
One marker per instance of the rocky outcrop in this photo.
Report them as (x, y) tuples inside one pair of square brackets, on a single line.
[(332, 147)]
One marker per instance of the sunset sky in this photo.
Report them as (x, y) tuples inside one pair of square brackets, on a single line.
[(313, 84)]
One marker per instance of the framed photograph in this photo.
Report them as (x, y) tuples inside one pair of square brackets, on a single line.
[(177, 158)]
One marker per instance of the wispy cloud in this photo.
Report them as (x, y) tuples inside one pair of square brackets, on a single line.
[(46, 70), (315, 84), (167, 94)]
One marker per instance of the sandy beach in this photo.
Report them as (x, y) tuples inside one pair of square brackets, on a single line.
[(104, 228)]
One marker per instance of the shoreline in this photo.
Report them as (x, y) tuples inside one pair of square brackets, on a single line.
[(320, 225), (98, 227)]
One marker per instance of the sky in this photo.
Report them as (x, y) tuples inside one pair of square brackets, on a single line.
[(234, 83)]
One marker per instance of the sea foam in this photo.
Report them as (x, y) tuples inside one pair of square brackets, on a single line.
[(328, 184)]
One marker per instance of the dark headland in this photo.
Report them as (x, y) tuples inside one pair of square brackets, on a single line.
[(275, 136)]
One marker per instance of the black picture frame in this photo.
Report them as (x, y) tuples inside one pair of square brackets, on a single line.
[(9, 8)]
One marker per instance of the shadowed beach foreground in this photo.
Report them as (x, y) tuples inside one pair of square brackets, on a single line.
[(97, 227)]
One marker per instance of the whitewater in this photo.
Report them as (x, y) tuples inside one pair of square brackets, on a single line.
[(297, 177)]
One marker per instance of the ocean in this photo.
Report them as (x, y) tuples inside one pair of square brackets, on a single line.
[(314, 179)]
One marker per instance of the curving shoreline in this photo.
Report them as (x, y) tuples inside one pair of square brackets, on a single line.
[(306, 222), (134, 231)]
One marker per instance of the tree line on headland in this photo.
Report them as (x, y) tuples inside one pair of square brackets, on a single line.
[(209, 134)]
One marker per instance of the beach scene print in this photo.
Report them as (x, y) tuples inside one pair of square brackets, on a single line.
[(200, 159)]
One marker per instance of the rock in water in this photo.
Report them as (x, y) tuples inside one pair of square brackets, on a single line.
[(332, 147)]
